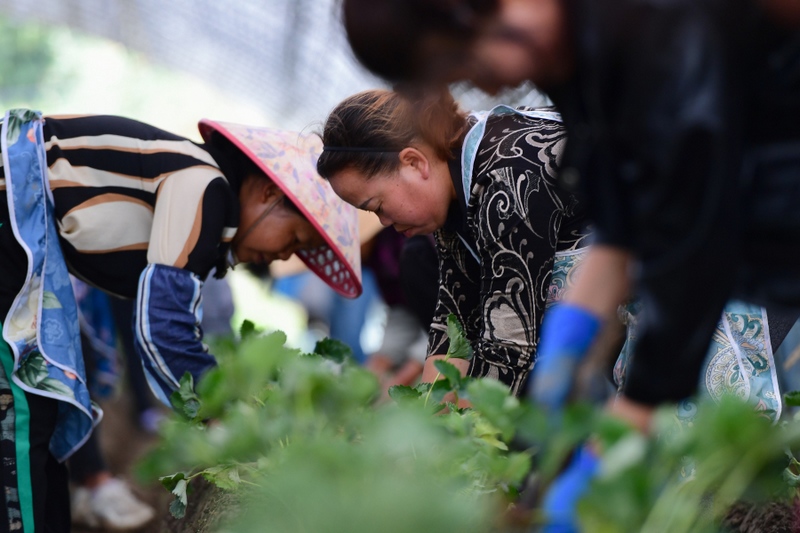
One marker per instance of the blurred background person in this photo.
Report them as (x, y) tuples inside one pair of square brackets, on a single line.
[(329, 314), (406, 279)]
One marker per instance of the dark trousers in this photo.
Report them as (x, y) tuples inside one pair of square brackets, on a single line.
[(35, 485)]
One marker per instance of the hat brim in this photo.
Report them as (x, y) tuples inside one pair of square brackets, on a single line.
[(289, 160)]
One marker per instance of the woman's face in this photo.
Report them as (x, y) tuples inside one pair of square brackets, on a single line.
[(525, 42), (414, 199), (278, 231)]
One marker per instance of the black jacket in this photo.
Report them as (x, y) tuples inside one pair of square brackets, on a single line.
[(684, 124)]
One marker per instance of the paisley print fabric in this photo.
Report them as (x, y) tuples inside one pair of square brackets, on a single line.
[(739, 360), (566, 270), (517, 219)]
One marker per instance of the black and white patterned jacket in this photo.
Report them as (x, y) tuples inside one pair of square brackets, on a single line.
[(516, 219)]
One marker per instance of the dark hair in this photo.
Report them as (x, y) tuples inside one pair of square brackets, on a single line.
[(240, 167), (374, 126), (394, 38), (257, 174)]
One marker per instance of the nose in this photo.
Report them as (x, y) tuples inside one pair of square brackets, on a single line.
[(384, 220), (285, 254)]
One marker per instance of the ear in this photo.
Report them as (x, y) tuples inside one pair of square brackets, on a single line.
[(263, 189), (416, 159)]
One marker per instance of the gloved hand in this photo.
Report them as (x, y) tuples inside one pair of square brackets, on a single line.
[(567, 333), (562, 497)]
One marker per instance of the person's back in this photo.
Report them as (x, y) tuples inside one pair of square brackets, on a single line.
[(125, 191), (668, 107)]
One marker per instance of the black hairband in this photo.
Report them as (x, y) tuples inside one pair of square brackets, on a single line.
[(356, 149)]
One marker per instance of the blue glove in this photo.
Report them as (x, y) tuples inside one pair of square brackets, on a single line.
[(562, 497), (567, 333)]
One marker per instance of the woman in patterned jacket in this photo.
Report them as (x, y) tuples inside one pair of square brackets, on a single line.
[(485, 184), (140, 213)]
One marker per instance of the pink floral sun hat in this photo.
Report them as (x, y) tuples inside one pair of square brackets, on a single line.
[(290, 160)]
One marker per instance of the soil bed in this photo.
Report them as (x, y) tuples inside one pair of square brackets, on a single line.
[(764, 518), (208, 509)]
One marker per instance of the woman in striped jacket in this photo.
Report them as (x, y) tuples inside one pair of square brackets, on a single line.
[(139, 213)]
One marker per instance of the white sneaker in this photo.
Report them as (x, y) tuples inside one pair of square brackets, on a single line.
[(110, 506)]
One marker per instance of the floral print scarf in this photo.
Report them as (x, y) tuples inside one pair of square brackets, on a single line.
[(42, 325)]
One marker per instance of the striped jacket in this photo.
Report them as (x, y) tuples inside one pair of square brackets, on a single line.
[(147, 214)]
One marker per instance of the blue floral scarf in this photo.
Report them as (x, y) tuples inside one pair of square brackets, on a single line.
[(42, 324)]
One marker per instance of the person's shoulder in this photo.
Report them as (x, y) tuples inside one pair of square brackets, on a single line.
[(513, 135), (111, 130), (525, 118), (521, 141)]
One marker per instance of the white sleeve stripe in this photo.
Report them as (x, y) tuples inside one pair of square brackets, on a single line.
[(197, 302), (143, 330)]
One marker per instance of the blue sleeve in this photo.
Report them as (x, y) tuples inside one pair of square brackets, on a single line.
[(167, 328)]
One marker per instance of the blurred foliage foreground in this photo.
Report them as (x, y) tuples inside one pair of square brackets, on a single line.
[(301, 439)]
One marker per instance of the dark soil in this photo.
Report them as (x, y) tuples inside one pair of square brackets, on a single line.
[(764, 518), (208, 509)]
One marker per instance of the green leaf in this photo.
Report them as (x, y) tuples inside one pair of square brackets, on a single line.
[(518, 466), (248, 329), (361, 384), (459, 345), (185, 400), (439, 390), (422, 387), (170, 482), (403, 393), (485, 431), (792, 399), (334, 350), (791, 474), (791, 479), (223, 476), (450, 372), (495, 402), (257, 363), (178, 506), (624, 454)]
